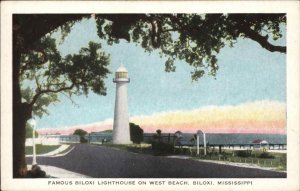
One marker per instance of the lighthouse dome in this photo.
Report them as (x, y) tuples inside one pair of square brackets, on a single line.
[(121, 73), (121, 69)]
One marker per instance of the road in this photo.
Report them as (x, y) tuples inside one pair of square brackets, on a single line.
[(103, 162)]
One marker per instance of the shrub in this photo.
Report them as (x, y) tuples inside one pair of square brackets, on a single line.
[(83, 140), (182, 151), (266, 155), (136, 133), (161, 148), (36, 172), (243, 153), (81, 133)]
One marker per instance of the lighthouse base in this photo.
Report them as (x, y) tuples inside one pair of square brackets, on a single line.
[(121, 140), (121, 134)]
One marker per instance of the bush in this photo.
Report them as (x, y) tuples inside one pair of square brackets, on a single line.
[(161, 148), (36, 172), (83, 140), (182, 151), (266, 155), (81, 133), (136, 133), (243, 153)]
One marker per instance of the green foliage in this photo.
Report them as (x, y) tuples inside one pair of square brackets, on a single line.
[(266, 155), (193, 38), (41, 149), (44, 73), (243, 153), (157, 136), (136, 133), (161, 148), (107, 131), (158, 131), (193, 140), (81, 134), (29, 131)]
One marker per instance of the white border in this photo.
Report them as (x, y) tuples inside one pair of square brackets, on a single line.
[(289, 7)]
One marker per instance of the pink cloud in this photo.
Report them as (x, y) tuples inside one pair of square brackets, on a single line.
[(264, 117)]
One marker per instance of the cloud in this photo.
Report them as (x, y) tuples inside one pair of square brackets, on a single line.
[(260, 116), (252, 117)]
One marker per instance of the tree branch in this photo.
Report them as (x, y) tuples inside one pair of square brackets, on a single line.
[(262, 40), (242, 25), (37, 84), (48, 90), (31, 27), (73, 102), (154, 36)]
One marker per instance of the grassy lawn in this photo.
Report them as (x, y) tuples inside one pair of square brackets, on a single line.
[(275, 161), (41, 149)]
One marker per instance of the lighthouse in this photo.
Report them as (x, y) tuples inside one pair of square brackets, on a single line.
[(121, 132)]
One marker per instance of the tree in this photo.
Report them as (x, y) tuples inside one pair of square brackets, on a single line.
[(193, 140), (47, 73), (81, 133), (136, 133), (177, 137), (157, 136), (158, 131), (194, 38)]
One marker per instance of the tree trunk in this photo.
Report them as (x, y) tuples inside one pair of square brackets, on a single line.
[(19, 123), (21, 113)]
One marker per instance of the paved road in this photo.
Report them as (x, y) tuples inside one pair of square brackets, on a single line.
[(102, 162)]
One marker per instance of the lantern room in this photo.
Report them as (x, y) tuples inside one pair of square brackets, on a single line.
[(121, 74)]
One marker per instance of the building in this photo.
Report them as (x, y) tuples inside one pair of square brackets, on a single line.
[(121, 131), (260, 144), (226, 140)]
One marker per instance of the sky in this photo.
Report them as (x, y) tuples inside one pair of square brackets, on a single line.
[(250, 83)]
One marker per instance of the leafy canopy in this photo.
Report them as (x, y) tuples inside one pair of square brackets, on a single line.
[(80, 132), (136, 133), (193, 38), (44, 73)]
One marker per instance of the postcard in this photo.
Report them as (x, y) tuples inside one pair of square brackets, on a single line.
[(150, 95)]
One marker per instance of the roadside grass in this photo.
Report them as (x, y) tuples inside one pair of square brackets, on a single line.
[(41, 149), (276, 162), (136, 148)]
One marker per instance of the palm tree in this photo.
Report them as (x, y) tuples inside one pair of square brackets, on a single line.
[(178, 136), (158, 133)]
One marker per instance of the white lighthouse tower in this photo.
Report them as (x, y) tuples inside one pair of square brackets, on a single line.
[(121, 132)]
